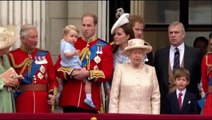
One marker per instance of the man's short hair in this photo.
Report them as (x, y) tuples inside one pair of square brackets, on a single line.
[(136, 18)]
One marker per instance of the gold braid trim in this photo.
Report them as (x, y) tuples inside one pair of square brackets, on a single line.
[(88, 59), (209, 66), (96, 74), (65, 70), (20, 65), (83, 53), (23, 64), (54, 92)]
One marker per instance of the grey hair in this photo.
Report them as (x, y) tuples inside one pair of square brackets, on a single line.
[(25, 28), (173, 24)]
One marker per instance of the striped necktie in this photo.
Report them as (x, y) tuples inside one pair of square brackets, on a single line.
[(176, 59)]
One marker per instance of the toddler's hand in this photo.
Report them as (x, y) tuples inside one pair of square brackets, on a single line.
[(77, 52)]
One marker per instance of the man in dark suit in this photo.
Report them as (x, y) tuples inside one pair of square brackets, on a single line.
[(189, 58), (181, 101)]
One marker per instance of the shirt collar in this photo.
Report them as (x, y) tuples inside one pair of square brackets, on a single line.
[(91, 39), (181, 47), (178, 91)]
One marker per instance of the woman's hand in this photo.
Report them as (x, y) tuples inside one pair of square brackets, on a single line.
[(11, 82)]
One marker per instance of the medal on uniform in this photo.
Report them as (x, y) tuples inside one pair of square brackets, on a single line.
[(40, 60), (43, 60), (99, 49), (97, 59), (42, 69), (40, 76)]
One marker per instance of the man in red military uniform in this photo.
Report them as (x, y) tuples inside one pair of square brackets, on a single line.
[(207, 78), (97, 59), (39, 83)]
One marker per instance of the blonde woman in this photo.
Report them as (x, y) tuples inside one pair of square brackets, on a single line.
[(6, 97)]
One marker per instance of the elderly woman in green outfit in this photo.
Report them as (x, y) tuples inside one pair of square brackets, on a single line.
[(6, 83)]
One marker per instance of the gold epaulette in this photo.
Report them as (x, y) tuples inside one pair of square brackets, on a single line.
[(14, 49), (65, 70), (95, 74)]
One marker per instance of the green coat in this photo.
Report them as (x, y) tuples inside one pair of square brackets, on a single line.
[(6, 97)]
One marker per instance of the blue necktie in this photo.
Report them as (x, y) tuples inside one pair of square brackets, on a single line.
[(176, 59)]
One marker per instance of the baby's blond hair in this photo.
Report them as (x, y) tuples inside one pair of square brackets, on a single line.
[(68, 28)]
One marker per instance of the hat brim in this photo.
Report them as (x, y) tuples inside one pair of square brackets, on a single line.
[(117, 23), (9, 39), (146, 49)]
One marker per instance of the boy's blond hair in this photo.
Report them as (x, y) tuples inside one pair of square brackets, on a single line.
[(182, 72), (68, 28)]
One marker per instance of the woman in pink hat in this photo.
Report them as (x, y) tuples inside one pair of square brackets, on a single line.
[(7, 84), (135, 87)]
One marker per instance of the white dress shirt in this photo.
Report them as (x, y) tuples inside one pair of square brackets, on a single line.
[(172, 51), (183, 92)]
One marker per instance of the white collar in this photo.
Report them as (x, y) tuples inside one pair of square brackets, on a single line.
[(181, 47), (183, 92)]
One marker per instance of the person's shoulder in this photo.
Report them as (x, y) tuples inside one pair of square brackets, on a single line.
[(112, 43), (103, 41), (172, 93), (15, 50), (149, 67), (122, 65), (170, 96), (43, 50), (191, 95), (209, 53), (162, 50), (192, 48)]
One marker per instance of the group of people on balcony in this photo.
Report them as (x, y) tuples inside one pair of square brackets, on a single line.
[(133, 81)]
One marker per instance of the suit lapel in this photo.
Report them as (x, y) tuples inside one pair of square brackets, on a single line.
[(175, 100), (186, 100)]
